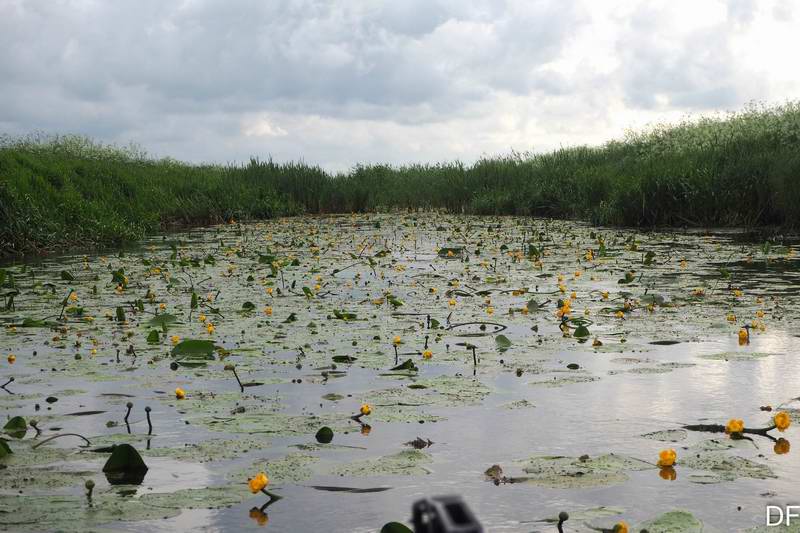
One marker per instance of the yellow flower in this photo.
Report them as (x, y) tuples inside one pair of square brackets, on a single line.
[(180, 393), (782, 421), (573, 295), (162, 306), (268, 311), (202, 317), (427, 354), (667, 458), (258, 483), (450, 253), (451, 302), (782, 446), (683, 263), (489, 310), (734, 426), (737, 293), (619, 314), (73, 296), (731, 317), (210, 328), (317, 287), (175, 339), (596, 342), (366, 409), (620, 527), (269, 291), (397, 340), (11, 358), (760, 314), (432, 290), (744, 337), (699, 292), (577, 273), (605, 295)]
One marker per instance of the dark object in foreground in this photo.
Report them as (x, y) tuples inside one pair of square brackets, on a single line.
[(125, 466), (444, 514)]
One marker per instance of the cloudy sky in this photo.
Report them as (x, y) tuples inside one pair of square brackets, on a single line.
[(337, 82)]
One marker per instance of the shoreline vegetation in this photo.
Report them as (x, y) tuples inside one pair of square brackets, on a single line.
[(737, 170)]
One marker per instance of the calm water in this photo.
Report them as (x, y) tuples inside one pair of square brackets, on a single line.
[(621, 391)]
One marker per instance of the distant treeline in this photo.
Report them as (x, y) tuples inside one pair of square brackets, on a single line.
[(739, 170)]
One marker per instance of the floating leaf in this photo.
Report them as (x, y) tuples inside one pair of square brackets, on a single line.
[(67, 276), (17, 427), (5, 449), (162, 320), (153, 337), (308, 292), (503, 343), (194, 349), (581, 332), (120, 314)]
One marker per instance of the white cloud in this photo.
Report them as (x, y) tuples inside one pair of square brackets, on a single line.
[(338, 82)]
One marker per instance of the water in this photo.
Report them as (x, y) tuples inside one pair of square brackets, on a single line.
[(621, 391)]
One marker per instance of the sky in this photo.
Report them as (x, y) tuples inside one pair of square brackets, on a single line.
[(337, 83)]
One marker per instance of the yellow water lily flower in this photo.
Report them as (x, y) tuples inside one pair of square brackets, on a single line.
[(604, 294), (73, 296), (180, 394), (397, 340), (782, 421), (210, 328), (258, 483), (366, 409), (269, 291), (175, 339), (620, 527), (489, 310), (737, 293), (734, 426), (162, 306), (760, 313), (619, 314), (202, 317), (667, 458), (597, 342), (451, 302), (731, 317), (268, 311), (427, 354), (11, 358), (744, 336)]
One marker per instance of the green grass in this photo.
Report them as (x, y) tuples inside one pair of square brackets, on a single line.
[(739, 170)]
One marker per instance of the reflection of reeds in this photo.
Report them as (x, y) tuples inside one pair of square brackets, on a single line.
[(737, 170)]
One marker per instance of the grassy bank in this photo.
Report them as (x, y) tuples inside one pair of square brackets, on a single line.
[(743, 169)]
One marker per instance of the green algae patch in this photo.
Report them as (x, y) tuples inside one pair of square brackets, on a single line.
[(563, 380), (211, 450), (405, 463), (292, 469), (518, 404), (71, 513), (561, 472), (203, 498), (672, 522), (736, 356)]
